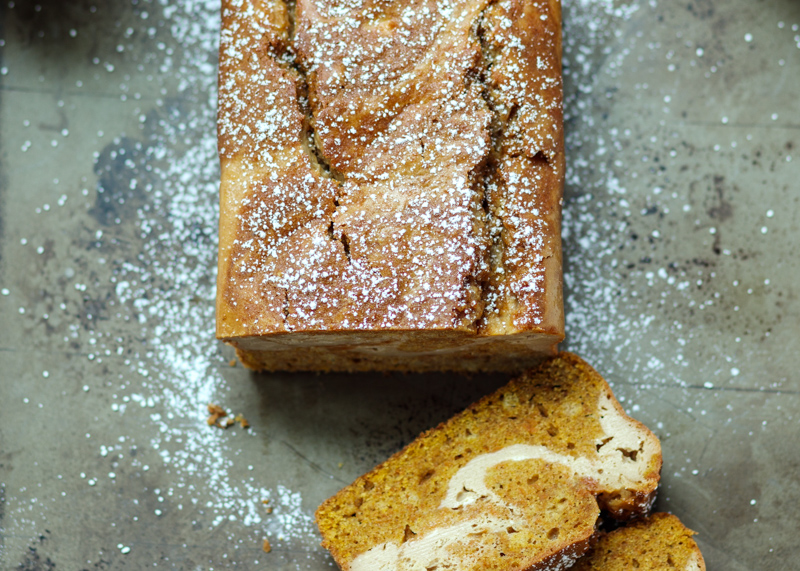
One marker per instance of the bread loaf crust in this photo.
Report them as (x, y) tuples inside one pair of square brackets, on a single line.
[(393, 169)]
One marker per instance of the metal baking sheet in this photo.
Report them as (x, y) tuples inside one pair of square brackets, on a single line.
[(681, 224)]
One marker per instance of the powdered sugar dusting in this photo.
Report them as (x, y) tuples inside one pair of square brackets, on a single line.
[(149, 303), (409, 183), (178, 256)]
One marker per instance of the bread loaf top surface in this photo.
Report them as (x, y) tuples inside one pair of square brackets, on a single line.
[(522, 472), (390, 166)]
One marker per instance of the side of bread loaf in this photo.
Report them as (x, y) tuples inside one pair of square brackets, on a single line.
[(515, 482), (391, 184), (657, 543)]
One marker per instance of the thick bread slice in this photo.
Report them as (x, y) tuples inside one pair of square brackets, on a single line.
[(657, 543), (514, 482)]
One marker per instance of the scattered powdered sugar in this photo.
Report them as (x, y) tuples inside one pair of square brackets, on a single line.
[(170, 291), (148, 284), (613, 256)]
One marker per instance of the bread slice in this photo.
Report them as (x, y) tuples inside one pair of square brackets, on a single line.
[(391, 183), (516, 481), (657, 543)]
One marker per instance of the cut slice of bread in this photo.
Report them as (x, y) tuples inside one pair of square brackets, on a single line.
[(657, 543), (516, 481)]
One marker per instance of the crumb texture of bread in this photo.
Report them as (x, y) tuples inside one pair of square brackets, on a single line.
[(657, 543), (394, 168), (516, 481)]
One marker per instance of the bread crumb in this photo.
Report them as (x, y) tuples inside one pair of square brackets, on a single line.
[(216, 412), (216, 409), (232, 363), (266, 546)]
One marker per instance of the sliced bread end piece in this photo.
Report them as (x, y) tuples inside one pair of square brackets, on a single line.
[(655, 543)]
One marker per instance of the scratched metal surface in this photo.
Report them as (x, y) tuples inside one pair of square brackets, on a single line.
[(682, 216)]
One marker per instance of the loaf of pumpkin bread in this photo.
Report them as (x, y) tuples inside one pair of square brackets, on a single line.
[(517, 481), (391, 184)]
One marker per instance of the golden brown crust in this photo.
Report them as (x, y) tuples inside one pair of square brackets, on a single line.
[(391, 168), (555, 407), (659, 542)]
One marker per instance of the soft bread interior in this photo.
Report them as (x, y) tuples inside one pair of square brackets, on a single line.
[(520, 475)]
